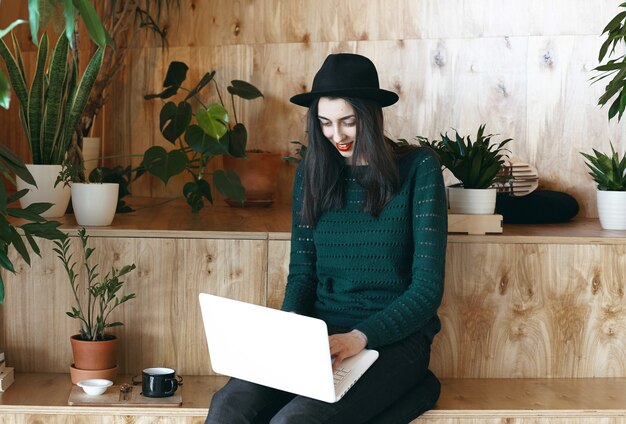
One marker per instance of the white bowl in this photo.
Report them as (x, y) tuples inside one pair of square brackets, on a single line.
[(95, 386)]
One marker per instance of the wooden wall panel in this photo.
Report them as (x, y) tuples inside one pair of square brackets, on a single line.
[(521, 310), (162, 326), (531, 311), (522, 68), (563, 116)]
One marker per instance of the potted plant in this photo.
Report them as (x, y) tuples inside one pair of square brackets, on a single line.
[(50, 109), (196, 143), (93, 201), (609, 173), (34, 226), (94, 350), (476, 164), (258, 172)]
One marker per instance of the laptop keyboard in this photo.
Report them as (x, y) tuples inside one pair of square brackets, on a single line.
[(339, 374)]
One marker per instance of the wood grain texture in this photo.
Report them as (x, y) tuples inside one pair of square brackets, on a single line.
[(463, 401), (522, 68), (529, 311), (534, 301), (162, 326)]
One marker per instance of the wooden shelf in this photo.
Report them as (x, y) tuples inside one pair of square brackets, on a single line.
[(161, 218), (526, 400)]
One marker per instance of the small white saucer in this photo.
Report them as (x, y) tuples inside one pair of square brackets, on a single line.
[(95, 386)]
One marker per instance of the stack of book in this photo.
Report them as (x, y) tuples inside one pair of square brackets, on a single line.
[(6, 373)]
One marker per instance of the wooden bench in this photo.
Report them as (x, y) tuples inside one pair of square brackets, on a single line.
[(42, 397), (534, 321)]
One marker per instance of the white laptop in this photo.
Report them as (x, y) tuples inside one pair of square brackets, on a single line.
[(278, 349)]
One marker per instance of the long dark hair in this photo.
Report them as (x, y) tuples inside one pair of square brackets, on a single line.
[(323, 166)]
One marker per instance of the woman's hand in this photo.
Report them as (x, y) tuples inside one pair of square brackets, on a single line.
[(345, 345)]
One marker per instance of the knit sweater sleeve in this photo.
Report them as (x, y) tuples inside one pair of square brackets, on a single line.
[(302, 280), (417, 306)]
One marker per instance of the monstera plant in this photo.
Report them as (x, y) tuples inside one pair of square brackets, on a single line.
[(199, 136)]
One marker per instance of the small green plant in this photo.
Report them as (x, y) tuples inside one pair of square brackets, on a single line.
[(197, 143), (609, 172), (300, 153), (102, 294), (475, 163)]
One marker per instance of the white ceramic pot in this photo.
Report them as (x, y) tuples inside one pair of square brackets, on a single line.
[(94, 204), (472, 201), (612, 209), (45, 192), (91, 154)]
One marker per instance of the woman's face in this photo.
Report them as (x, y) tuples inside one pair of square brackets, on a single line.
[(338, 123)]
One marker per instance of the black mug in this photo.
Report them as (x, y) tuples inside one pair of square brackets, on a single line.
[(159, 382)]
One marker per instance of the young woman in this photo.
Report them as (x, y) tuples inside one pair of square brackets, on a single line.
[(367, 256)]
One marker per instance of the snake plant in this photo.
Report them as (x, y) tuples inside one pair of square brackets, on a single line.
[(476, 164), (52, 106), (609, 172)]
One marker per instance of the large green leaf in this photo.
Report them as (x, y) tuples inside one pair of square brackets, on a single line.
[(238, 140), (213, 120), (176, 74), (204, 144), (48, 230), (36, 102), (174, 119), (163, 164), (33, 18), (77, 102), (92, 22), (15, 164), (229, 184), (203, 82), (58, 73), (244, 89), (195, 191)]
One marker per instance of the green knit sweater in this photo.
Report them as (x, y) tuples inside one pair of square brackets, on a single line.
[(382, 276)]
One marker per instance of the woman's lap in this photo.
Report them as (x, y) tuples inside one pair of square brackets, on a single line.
[(400, 368)]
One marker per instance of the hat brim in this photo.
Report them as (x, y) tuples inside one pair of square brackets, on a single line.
[(382, 97)]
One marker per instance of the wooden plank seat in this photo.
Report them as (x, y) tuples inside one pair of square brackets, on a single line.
[(42, 397)]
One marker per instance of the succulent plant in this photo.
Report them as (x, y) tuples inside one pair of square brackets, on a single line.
[(609, 172), (475, 163)]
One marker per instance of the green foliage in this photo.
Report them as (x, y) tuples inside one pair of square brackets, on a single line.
[(299, 154), (198, 136), (51, 107), (35, 226), (609, 172), (476, 164), (39, 14), (615, 32), (102, 293)]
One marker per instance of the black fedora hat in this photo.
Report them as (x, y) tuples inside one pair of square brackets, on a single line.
[(347, 75)]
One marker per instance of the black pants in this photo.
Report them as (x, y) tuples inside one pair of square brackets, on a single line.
[(397, 388)]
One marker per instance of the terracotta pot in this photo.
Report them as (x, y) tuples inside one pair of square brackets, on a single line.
[(77, 374), (259, 176), (94, 355)]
